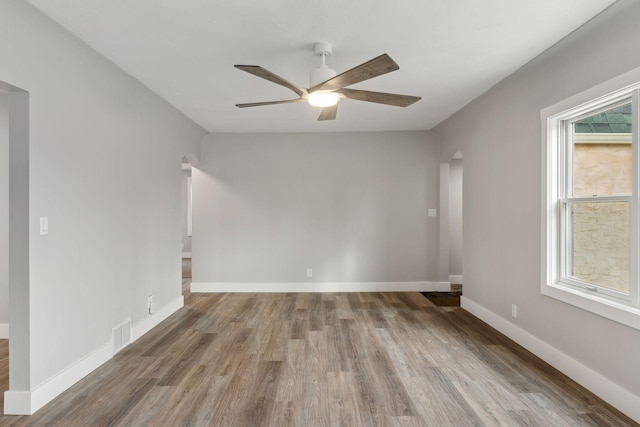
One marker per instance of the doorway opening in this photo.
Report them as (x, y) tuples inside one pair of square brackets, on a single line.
[(450, 259), (455, 222), (14, 248), (186, 185)]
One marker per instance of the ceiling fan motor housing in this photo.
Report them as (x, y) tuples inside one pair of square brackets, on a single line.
[(320, 74)]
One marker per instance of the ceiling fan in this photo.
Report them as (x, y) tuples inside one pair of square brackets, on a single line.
[(327, 88)]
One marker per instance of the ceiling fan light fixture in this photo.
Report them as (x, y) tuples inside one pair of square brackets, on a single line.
[(324, 99)]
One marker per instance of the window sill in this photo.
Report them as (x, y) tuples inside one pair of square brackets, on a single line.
[(618, 312)]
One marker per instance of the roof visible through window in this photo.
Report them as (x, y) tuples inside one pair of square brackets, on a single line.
[(617, 120)]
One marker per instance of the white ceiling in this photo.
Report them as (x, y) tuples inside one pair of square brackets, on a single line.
[(449, 52)]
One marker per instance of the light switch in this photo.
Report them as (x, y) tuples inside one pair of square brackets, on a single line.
[(432, 212), (44, 225)]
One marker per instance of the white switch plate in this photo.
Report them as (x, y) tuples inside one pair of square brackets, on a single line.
[(514, 311), (44, 225), (151, 304), (432, 212)]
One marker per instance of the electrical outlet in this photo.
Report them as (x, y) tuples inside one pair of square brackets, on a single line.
[(514, 311), (309, 272)]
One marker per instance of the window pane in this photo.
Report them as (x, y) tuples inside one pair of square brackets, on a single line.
[(600, 245), (602, 162)]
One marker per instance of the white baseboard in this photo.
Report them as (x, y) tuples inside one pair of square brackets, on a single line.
[(321, 287), (144, 326), (603, 387), (4, 331), (28, 402), (186, 254), (455, 279), (17, 403)]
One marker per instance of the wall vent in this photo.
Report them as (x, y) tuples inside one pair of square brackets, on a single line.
[(121, 336)]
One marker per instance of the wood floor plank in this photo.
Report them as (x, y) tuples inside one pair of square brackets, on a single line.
[(483, 403), (257, 406), (337, 358), (315, 357), (330, 359), (116, 408), (233, 399), (370, 408), (386, 383), (291, 385), (286, 414), (315, 404), (146, 410), (342, 401), (192, 354)]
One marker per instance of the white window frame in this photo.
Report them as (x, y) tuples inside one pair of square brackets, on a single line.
[(563, 124), (616, 306)]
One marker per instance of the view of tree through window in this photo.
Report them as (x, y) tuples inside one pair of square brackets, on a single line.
[(599, 228)]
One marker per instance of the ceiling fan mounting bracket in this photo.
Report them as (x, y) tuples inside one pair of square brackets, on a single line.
[(322, 49)]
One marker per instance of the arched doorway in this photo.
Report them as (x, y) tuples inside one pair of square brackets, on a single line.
[(188, 162)]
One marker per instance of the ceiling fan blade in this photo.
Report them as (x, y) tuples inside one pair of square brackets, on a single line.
[(379, 97), (268, 75), (383, 64), (328, 113), (260, 104)]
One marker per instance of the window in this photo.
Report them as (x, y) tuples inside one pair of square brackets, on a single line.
[(590, 220)]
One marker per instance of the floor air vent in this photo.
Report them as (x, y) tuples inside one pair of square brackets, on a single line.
[(121, 336)]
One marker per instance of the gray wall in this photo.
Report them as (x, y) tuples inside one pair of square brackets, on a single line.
[(19, 310), (500, 137), (105, 158), (4, 211), (351, 206)]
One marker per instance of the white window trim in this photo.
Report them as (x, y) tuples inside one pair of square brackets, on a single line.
[(622, 312)]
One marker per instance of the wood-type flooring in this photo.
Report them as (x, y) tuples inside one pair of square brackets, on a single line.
[(331, 359), (186, 268)]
